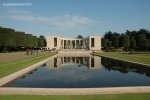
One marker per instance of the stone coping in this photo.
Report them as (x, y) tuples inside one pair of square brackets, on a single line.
[(73, 91), (22, 72)]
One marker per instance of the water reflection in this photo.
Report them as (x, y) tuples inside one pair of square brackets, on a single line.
[(75, 72), (94, 62), (91, 62), (124, 67)]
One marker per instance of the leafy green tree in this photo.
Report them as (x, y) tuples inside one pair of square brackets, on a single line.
[(29, 41), (20, 39), (108, 35), (115, 42), (14, 40), (7, 38), (136, 39), (132, 45), (142, 31), (126, 42), (107, 45), (121, 40), (140, 39), (146, 44), (41, 41), (35, 41), (80, 36), (103, 42)]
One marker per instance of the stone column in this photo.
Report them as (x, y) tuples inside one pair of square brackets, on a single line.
[(89, 43), (63, 44), (71, 44), (75, 44), (79, 43)]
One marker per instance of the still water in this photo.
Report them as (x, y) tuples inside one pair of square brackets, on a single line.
[(85, 72)]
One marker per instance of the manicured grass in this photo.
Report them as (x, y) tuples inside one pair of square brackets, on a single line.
[(7, 68), (11, 53), (77, 97), (139, 57)]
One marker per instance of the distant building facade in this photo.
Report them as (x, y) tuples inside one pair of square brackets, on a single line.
[(89, 43)]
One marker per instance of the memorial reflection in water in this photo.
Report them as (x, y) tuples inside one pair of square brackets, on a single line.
[(91, 62)]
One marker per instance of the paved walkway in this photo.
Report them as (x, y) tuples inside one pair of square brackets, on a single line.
[(74, 53), (74, 91)]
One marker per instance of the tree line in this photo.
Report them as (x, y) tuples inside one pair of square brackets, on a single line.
[(11, 40), (129, 41)]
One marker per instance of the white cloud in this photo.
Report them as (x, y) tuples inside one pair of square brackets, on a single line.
[(58, 22)]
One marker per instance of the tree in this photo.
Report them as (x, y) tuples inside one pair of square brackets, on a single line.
[(35, 41), (126, 42), (103, 42), (7, 38), (115, 42), (29, 40), (41, 41), (136, 39), (148, 35), (121, 40), (143, 31), (130, 33), (14, 40), (146, 43), (108, 35), (79, 36), (20, 39), (140, 39), (107, 45), (132, 45)]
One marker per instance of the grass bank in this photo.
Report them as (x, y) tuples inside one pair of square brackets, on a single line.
[(139, 57), (10, 53), (7, 68), (77, 97)]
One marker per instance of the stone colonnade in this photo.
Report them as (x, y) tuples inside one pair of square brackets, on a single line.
[(73, 44)]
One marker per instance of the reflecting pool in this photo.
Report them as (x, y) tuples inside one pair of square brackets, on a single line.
[(85, 72)]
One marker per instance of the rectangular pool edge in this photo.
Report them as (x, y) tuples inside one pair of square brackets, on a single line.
[(73, 91)]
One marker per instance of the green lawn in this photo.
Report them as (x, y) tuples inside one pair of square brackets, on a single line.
[(78, 97), (139, 57), (10, 53), (7, 68)]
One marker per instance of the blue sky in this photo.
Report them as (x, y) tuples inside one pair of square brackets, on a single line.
[(70, 18)]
